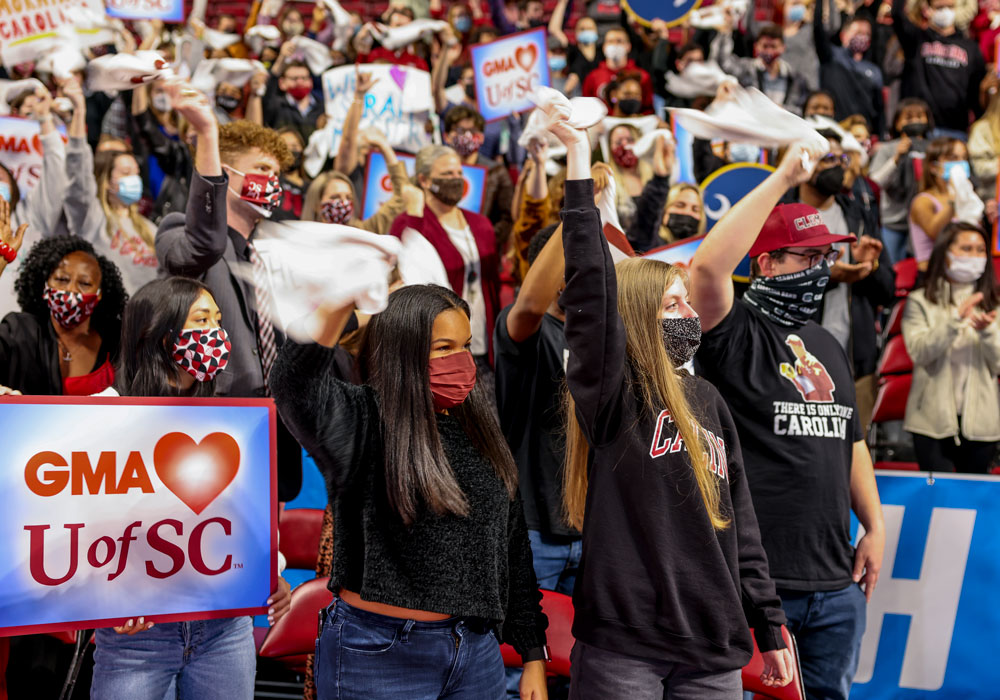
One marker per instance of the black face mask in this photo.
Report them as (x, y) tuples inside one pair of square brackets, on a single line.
[(681, 337), (227, 103), (682, 225), (449, 190), (296, 160), (830, 181), (630, 106), (470, 91), (915, 130), (792, 299)]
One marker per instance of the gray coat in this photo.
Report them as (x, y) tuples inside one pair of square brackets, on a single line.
[(197, 244)]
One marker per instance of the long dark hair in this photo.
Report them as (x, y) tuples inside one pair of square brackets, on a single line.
[(937, 268), (43, 259), (393, 359), (151, 323)]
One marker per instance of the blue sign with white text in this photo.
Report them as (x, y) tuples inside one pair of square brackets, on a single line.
[(933, 622)]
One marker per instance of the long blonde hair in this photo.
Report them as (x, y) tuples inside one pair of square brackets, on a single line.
[(641, 284), (104, 163)]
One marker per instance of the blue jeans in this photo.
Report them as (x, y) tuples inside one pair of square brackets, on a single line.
[(895, 243), (365, 656), (184, 660), (555, 561), (828, 628)]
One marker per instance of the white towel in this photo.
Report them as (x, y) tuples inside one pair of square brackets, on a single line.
[(644, 146), (714, 16), (698, 79), (750, 117), (312, 263), (217, 40), (317, 151), (393, 38), (968, 206), (125, 71), (419, 262), (62, 61), (343, 24), (262, 35), (847, 140), (315, 54), (213, 71)]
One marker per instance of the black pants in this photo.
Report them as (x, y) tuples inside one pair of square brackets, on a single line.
[(967, 457)]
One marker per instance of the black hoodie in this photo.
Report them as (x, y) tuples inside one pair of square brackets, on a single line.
[(656, 579)]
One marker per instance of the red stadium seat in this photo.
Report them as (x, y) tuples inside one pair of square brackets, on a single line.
[(895, 324), (890, 403), (898, 466), (299, 532), (294, 637), (559, 609), (894, 359), (906, 276), (752, 671)]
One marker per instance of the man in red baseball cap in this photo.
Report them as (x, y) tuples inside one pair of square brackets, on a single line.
[(790, 388)]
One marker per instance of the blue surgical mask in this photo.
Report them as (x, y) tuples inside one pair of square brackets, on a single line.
[(557, 63), (963, 165), (796, 13), (5, 191), (586, 36), (463, 23), (129, 189), (744, 153)]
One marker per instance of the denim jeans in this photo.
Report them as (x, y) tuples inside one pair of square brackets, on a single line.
[(895, 243), (828, 628), (186, 660), (364, 656), (598, 674)]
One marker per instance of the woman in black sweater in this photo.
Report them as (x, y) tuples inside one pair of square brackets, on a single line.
[(672, 568), (431, 558)]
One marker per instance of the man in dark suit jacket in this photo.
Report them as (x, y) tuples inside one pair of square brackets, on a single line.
[(214, 237)]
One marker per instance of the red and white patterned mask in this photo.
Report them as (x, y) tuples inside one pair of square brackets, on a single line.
[(69, 309), (467, 142), (337, 211), (263, 191), (202, 354)]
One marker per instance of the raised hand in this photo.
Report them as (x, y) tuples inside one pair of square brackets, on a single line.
[(866, 249), (191, 104)]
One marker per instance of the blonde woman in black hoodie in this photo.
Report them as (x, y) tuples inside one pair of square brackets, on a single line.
[(673, 570)]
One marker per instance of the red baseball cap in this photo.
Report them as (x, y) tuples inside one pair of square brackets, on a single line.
[(794, 225)]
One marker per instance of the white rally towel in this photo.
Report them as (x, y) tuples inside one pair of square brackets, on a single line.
[(714, 16), (342, 22), (847, 140), (968, 206), (393, 38), (315, 54), (644, 146), (750, 117), (698, 79), (217, 40), (312, 263), (10, 90), (262, 35), (419, 262), (211, 72), (125, 72), (62, 61), (317, 151)]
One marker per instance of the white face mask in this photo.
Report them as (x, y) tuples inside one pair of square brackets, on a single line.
[(615, 53), (161, 102), (943, 17), (965, 270)]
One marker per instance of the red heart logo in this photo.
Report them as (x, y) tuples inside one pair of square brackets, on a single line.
[(196, 473), (526, 56)]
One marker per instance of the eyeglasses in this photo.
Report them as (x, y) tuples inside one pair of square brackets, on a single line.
[(835, 159), (814, 259)]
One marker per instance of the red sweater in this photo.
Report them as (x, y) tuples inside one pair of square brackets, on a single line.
[(593, 86), (482, 231)]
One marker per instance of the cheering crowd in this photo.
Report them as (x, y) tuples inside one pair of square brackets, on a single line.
[(678, 451)]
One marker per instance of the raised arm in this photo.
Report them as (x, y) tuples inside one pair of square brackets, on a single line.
[(539, 289), (43, 206), (191, 243), (730, 240), (439, 76), (347, 155), (595, 333), (907, 32), (820, 38), (556, 22), (255, 102)]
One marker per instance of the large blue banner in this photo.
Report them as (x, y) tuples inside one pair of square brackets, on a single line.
[(933, 622), (119, 508)]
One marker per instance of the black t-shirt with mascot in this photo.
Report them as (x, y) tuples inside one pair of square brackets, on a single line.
[(791, 393)]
